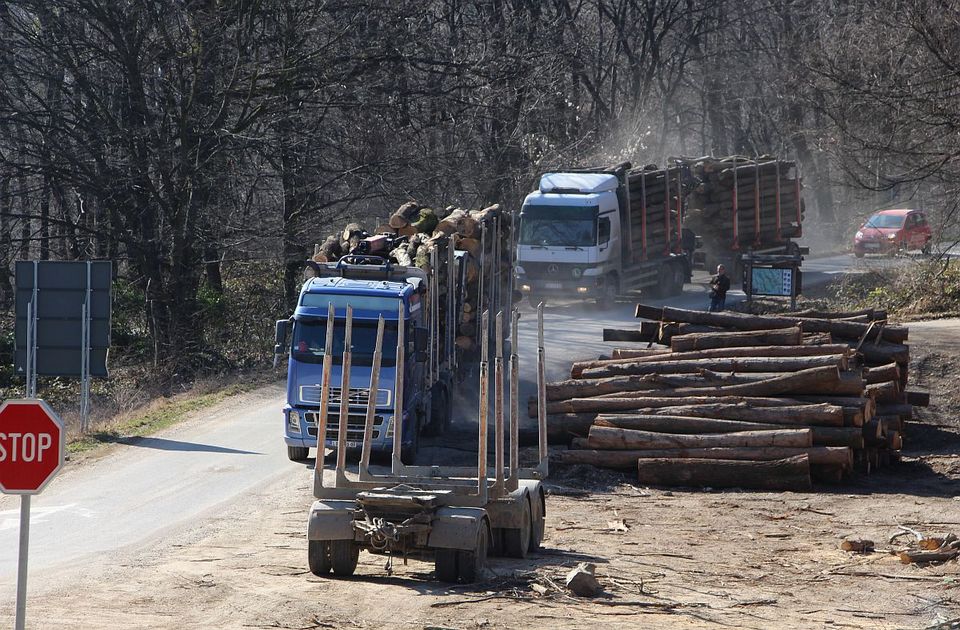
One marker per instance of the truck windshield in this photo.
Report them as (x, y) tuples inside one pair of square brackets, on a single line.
[(310, 339), (559, 226), (885, 221)]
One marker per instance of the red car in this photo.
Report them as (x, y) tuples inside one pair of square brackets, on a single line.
[(892, 231)]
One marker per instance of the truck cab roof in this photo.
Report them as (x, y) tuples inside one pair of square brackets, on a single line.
[(369, 298), (578, 183), (357, 286)]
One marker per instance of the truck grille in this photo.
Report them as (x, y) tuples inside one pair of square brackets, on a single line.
[(359, 396), (355, 424)]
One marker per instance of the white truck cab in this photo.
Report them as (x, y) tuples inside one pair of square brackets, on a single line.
[(570, 237)]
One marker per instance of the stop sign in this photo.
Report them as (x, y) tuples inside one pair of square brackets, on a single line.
[(32, 442)]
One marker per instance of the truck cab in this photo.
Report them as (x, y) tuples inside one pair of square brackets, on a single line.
[(570, 237), (370, 298)]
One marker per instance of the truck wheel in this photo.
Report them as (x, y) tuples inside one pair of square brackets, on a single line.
[(297, 453), (408, 452), (677, 277), (537, 518), (318, 557), (858, 253), (439, 410), (343, 557), (470, 563), (925, 250), (445, 565), (516, 542)]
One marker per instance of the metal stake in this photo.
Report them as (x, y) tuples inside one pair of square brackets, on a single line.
[(397, 465), (541, 393), (344, 394), (484, 409), (498, 404), (324, 397), (514, 404), (371, 403)]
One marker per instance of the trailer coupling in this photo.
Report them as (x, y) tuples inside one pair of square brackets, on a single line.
[(382, 535)]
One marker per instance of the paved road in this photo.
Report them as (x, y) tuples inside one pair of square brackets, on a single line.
[(141, 490)]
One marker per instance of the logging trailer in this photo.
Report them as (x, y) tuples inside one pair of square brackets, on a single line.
[(458, 515)]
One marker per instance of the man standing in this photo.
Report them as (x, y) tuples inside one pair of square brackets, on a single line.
[(719, 285)]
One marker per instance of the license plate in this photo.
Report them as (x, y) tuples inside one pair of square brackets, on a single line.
[(552, 285), (871, 245)]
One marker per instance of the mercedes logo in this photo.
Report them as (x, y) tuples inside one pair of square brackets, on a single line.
[(553, 269)]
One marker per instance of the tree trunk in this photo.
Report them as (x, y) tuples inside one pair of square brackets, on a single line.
[(802, 415), (626, 459), (577, 369), (848, 330), (733, 364), (705, 341), (781, 474), (602, 437)]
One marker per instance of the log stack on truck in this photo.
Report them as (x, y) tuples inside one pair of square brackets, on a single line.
[(739, 205), (598, 233), (750, 401), (444, 269)]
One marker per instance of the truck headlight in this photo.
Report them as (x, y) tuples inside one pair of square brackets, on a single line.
[(891, 236), (525, 287), (293, 420), (859, 234)]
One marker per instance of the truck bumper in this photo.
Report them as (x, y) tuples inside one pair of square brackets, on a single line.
[(586, 287)]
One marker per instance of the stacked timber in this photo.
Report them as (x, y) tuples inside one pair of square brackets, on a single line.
[(418, 236), (726, 399), (656, 198), (750, 202)]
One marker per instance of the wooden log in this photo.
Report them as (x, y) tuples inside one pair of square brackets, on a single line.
[(601, 437), (622, 334), (918, 399), (733, 364), (561, 428), (881, 374), (781, 474), (626, 353), (790, 415), (576, 371), (822, 436), (586, 388), (817, 339), (625, 459), (883, 353), (705, 341), (910, 555), (872, 314), (849, 330), (810, 379), (904, 410), (888, 392)]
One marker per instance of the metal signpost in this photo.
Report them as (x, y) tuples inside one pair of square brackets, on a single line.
[(773, 275), (63, 323), (32, 444)]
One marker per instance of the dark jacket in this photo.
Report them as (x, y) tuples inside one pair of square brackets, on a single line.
[(719, 285)]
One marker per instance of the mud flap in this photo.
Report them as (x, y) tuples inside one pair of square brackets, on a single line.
[(331, 520), (455, 528)]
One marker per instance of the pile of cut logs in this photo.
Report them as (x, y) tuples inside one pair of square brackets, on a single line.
[(765, 192), (417, 235), (735, 400)]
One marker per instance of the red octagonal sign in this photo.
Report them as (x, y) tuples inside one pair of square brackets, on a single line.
[(32, 442)]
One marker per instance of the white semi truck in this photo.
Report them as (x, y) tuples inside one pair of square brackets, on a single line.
[(602, 233)]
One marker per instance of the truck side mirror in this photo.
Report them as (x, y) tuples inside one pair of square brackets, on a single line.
[(280, 336), (420, 340)]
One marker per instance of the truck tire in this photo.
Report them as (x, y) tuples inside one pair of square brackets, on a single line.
[(516, 542), (445, 565), (440, 410), (538, 521), (297, 453), (677, 277), (318, 557), (611, 289), (343, 557), (471, 563), (408, 452)]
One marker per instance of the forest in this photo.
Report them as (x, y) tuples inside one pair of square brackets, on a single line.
[(204, 146)]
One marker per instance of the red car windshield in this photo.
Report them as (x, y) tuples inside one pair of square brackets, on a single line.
[(885, 221)]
